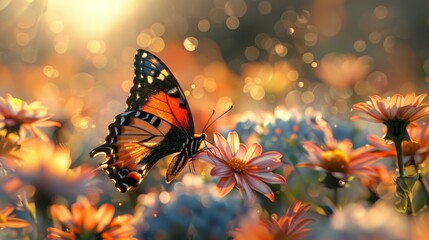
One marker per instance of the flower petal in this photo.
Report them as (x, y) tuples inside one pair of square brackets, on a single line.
[(260, 186), (269, 177), (245, 190), (222, 145), (225, 185), (104, 216), (267, 161), (233, 141), (242, 150), (254, 151), (221, 171)]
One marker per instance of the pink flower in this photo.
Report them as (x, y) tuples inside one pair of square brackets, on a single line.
[(291, 226), (18, 116), (246, 168), (409, 108)]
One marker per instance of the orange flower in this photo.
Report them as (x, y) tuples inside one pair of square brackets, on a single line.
[(248, 168), (338, 158), (47, 167), (342, 70), (417, 148), (291, 226), (382, 183), (18, 116), (7, 221), (8, 145), (86, 222)]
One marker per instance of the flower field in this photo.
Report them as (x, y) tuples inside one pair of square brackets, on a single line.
[(223, 119)]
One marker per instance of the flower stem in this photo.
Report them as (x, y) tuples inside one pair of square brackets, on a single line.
[(336, 197), (398, 146), (408, 192)]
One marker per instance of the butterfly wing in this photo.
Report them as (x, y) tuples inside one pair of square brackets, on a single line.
[(156, 91), (156, 123)]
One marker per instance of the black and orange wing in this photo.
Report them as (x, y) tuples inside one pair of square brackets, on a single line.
[(156, 91), (156, 123)]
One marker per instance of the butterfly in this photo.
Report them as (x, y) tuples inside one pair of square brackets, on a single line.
[(157, 122)]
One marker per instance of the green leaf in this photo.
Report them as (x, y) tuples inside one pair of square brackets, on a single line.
[(404, 191)]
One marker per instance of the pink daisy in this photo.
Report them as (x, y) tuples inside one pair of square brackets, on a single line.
[(247, 168), (19, 117), (409, 108)]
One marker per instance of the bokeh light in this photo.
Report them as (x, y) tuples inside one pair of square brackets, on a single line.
[(76, 58)]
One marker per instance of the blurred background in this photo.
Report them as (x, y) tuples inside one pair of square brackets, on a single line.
[(76, 57)]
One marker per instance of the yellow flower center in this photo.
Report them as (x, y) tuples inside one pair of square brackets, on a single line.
[(3, 219), (238, 165), (409, 148), (335, 161)]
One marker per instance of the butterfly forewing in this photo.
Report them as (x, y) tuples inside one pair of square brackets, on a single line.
[(156, 90), (157, 122)]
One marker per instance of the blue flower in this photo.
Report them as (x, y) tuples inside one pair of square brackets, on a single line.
[(193, 211)]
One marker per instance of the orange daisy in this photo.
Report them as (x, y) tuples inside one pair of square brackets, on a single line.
[(17, 116), (417, 149), (8, 145), (86, 222), (248, 168), (291, 226), (9, 221), (47, 167), (338, 158)]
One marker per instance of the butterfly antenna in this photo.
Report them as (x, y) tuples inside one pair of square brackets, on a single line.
[(208, 124), (208, 120), (211, 153)]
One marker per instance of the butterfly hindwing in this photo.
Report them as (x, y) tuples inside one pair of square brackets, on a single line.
[(156, 123)]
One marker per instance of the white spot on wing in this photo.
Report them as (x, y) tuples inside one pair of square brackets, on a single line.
[(102, 166), (153, 120), (172, 91), (149, 79), (164, 72), (161, 77)]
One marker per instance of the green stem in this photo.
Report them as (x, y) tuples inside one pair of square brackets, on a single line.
[(336, 196), (399, 157), (398, 146)]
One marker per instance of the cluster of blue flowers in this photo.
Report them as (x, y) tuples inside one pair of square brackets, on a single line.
[(195, 213)]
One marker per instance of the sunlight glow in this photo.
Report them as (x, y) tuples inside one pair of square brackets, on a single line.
[(93, 17)]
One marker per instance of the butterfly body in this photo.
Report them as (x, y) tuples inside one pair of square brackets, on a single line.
[(156, 123)]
